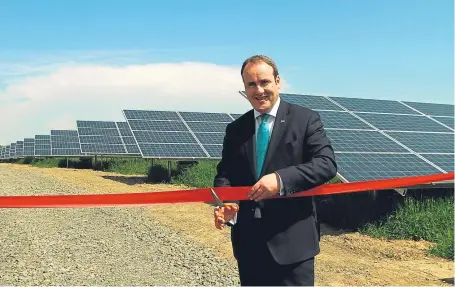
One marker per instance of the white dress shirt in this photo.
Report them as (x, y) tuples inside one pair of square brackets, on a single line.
[(269, 125)]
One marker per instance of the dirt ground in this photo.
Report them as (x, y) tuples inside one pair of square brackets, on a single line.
[(346, 258)]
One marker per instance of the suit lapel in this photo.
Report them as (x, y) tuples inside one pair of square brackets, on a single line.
[(278, 130)]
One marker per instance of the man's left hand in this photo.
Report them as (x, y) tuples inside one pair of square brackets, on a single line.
[(266, 187)]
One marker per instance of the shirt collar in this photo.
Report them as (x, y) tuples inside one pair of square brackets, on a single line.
[(273, 112)]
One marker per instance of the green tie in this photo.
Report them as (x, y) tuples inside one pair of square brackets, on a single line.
[(262, 142)]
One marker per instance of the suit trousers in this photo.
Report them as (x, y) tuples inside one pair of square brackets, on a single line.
[(257, 267)]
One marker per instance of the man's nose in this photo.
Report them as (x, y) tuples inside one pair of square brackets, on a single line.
[(259, 89)]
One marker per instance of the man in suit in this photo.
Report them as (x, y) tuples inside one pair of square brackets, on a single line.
[(279, 149)]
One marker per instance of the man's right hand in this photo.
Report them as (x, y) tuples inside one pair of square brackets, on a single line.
[(225, 214)]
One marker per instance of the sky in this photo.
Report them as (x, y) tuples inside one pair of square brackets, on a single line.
[(62, 61)]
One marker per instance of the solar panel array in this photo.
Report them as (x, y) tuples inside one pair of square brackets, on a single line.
[(373, 139), (19, 148), (29, 147), (43, 145), (105, 138), (178, 135), (65, 143), (378, 139), (7, 151), (12, 150), (128, 138)]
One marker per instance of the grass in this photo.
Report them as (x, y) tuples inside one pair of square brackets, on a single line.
[(430, 219), (127, 166), (199, 175)]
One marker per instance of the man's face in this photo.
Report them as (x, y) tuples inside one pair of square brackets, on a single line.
[(261, 87)]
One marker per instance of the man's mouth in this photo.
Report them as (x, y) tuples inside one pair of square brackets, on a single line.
[(262, 98)]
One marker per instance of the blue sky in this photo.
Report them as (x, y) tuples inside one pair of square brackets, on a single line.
[(396, 49), (379, 49)]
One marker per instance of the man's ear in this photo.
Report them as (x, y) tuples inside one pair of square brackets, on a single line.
[(278, 81)]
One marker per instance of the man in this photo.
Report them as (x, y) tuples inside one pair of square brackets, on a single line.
[(279, 149)]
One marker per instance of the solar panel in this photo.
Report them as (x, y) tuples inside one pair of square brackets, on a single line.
[(164, 137), (3, 151), (148, 125), (374, 106), (362, 141), (124, 129), (65, 143), (19, 148), (444, 161), (96, 124), (154, 150), (310, 101), (448, 121), (214, 150), (102, 149), (132, 149), (12, 150), (236, 116), (102, 138), (433, 109), (426, 142), (108, 132), (403, 122), (29, 147), (205, 117), (201, 127), (209, 130), (43, 145), (128, 138), (370, 166), (151, 115), (210, 138), (367, 154), (163, 134), (342, 120)]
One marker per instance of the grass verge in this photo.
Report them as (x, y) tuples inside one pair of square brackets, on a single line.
[(431, 219)]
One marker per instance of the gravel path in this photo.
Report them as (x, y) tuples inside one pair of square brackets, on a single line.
[(95, 246)]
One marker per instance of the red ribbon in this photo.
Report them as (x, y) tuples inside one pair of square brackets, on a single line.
[(203, 194)]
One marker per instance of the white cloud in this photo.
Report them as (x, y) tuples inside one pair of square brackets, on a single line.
[(35, 105)]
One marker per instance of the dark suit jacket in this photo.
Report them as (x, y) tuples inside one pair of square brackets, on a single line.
[(300, 152)]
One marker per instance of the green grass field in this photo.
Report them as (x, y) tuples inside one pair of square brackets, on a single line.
[(431, 219)]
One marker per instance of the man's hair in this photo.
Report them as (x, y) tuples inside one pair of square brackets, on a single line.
[(260, 58)]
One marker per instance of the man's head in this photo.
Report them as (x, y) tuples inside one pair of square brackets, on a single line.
[(262, 82)]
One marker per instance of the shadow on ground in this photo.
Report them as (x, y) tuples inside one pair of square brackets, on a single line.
[(128, 180), (326, 229), (448, 280)]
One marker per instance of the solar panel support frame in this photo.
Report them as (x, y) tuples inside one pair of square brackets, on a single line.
[(243, 94), (230, 116)]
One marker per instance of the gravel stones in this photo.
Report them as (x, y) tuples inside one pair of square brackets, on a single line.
[(96, 246)]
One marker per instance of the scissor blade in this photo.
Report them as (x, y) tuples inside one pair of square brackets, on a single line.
[(217, 199)]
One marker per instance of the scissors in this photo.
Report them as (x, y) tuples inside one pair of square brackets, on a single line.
[(218, 201)]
